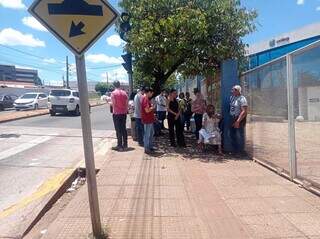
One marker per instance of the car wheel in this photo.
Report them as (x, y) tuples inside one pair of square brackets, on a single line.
[(36, 106), (17, 109), (52, 113), (77, 111), (1, 107)]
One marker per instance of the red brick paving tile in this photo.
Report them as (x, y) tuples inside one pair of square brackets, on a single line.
[(104, 192), (133, 228), (272, 191), (228, 192), (170, 192), (132, 207), (227, 228), (69, 228), (80, 208), (290, 205), (270, 226), (182, 228), (172, 208), (308, 223), (250, 206), (145, 191)]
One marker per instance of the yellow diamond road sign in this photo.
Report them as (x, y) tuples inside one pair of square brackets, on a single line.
[(77, 23)]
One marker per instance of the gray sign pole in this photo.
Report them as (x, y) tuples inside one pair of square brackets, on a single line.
[(88, 147)]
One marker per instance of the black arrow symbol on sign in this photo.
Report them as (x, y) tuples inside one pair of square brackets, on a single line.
[(76, 30)]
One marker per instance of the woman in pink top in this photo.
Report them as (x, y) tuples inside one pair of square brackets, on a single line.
[(198, 108)]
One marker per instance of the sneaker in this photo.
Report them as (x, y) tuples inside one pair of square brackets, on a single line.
[(117, 148)]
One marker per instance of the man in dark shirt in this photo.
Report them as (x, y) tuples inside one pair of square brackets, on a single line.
[(174, 121), (148, 118)]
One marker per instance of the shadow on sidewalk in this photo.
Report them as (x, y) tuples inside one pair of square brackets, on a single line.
[(191, 152)]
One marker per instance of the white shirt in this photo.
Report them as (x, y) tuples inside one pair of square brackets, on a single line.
[(161, 102)]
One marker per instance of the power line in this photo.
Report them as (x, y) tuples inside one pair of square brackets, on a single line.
[(103, 67), (32, 66), (28, 54)]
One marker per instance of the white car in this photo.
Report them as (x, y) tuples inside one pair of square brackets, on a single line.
[(31, 101), (64, 101)]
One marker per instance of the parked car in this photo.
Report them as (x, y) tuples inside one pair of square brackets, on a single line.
[(64, 101), (6, 101), (31, 101)]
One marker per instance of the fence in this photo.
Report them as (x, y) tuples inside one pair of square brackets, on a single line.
[(283, 128)]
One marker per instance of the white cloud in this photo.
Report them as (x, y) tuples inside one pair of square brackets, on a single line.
[(50, 60), (12, 37), (114, 40), (318, 8), (119, 74), (33, 23), (300, 2), (102, 58), (14, 4), (25, 67)]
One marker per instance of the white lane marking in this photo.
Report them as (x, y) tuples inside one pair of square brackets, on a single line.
[(33, 164), (22, 147), (35, 159)]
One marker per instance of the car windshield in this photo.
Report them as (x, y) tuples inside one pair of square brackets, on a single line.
[(1, 97), (29, 96), (60, 93)]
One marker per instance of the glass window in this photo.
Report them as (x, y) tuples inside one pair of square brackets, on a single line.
[(60, 93), (75, 94), (29, 96)]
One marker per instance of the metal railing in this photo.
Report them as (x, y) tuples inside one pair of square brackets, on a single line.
[(284, 119)]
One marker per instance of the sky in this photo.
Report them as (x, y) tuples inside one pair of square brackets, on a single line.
[(25, 43)]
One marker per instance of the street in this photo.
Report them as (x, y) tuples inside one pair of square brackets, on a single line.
[(101, 119), (35, 154)]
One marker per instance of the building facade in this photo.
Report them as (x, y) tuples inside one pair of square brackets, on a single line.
[(10, 75), (271, 49)]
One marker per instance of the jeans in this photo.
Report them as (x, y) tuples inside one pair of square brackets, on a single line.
[(148, 137), (175, 129), (161, 115), (198, 122), (139, 130), (187, 117), (119, 122), (237, 139)]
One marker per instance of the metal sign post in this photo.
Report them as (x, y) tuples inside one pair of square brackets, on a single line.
[(78, 24), (88, 146)]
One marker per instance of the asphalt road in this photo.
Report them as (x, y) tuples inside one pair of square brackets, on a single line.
[(35, 154), (101, 119)]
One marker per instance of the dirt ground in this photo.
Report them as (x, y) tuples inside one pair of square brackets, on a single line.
[(268, 141)]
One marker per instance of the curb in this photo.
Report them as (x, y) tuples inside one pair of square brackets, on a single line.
[(35, 115), (78, 170), (55, 197)]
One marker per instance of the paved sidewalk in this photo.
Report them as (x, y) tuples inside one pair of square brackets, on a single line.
[(178, 195)]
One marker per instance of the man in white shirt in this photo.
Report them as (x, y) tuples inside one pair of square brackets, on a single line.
[(238, 112), (137, 115), (161, 103)]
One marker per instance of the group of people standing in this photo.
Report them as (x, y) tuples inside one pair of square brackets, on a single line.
[(150, 113)]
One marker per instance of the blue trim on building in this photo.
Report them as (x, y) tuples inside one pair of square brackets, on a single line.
[(266, 56)]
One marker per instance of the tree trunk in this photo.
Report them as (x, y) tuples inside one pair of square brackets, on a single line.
[(160, 80)]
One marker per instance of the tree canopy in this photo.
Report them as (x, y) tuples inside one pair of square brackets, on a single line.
[(188, 36), (102, 87)]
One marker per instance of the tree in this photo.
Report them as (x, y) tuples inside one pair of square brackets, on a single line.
[(187, 36), (102, 87)]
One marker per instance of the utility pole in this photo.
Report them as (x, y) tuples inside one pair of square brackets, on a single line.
[(67, 72), (107, 80)]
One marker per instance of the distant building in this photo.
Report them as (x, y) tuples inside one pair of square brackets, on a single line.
[(10, 75), (266, 51)]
